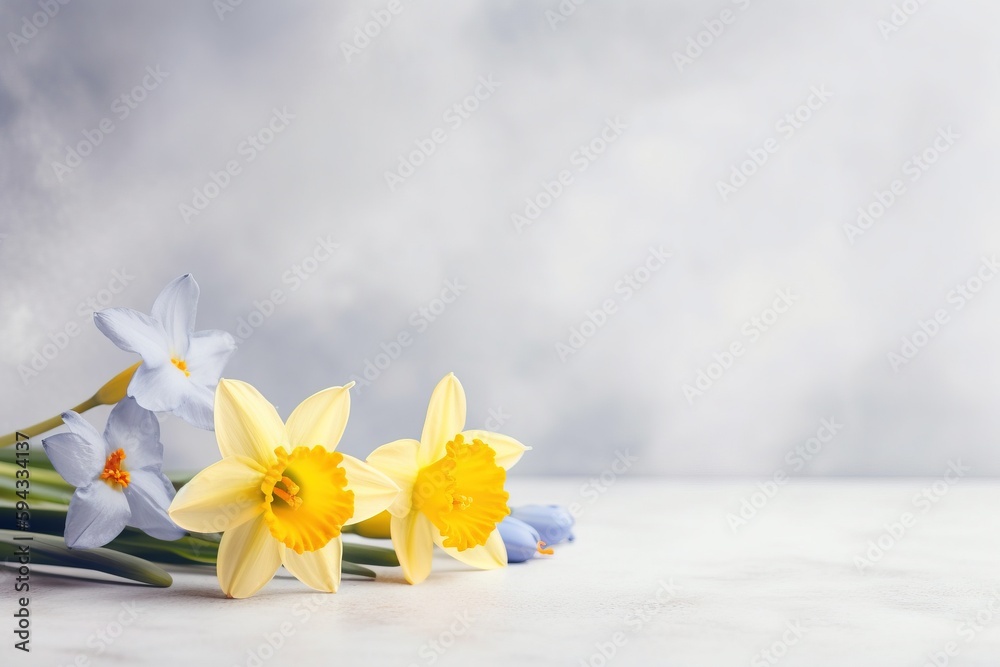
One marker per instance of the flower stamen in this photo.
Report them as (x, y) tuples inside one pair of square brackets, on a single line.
[(542, 550), (312, 485), (113, 473), (288, 493), (181, 366), (462, 493)]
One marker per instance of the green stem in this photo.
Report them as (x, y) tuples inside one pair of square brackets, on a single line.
[(49, 477), (112, 392), (44, 426)]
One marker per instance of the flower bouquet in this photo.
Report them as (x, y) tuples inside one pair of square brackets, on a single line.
[(281, 495)]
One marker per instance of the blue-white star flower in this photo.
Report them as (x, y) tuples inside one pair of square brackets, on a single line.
[(180, 366), (118, 476)]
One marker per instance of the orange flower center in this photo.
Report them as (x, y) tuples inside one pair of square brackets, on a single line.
[(113, 473), (306, 499), (462, 493), (181, 366)]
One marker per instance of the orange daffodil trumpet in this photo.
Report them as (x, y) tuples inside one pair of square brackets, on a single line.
[(281, 493), (451, 487)]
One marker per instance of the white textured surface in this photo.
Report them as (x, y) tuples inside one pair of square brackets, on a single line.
[(735, 593)]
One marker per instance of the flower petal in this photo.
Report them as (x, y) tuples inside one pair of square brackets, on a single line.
[(136, 431), (248, 558), (413, 540), (373, 491), (136, 332), (320, 419), (245, 423), (79, 455), (197, 407), (83, 428), (488, 556), (159, 388), (398, 460), (149, 493), (219, 498), (97, 514), (318, 569), (445, 418), (208, 354), (175, 308), (509, 450)]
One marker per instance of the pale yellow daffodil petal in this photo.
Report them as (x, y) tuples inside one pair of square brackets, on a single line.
[(445, 419), (398, 460), (248, 558), (318, 569), (220, 497), (373, 491), (320, 419), (509, 450), (488, 556), (245, 423), (413, 540)]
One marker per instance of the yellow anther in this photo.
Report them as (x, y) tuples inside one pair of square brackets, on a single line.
[(181, 366), (113, 473)]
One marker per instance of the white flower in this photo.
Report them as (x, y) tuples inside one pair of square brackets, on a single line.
[(118, 477), (180, 367)]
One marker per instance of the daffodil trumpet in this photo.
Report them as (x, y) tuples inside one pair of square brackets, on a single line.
[(112, 392)]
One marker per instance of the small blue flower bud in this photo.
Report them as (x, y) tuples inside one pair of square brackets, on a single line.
[(554, 523), (520, 539)]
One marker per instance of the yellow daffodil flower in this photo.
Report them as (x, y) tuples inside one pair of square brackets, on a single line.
[(451, 487), (280, 494)]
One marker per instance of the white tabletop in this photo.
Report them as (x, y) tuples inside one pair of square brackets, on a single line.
[(657, 576)]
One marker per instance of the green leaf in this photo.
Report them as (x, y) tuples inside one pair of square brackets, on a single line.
[(36, 457), (195, 548), (37, 491), (51, 550), (353, 568), (369, 555), (36, 475)]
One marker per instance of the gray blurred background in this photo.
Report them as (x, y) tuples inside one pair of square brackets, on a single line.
[(884, 80)]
